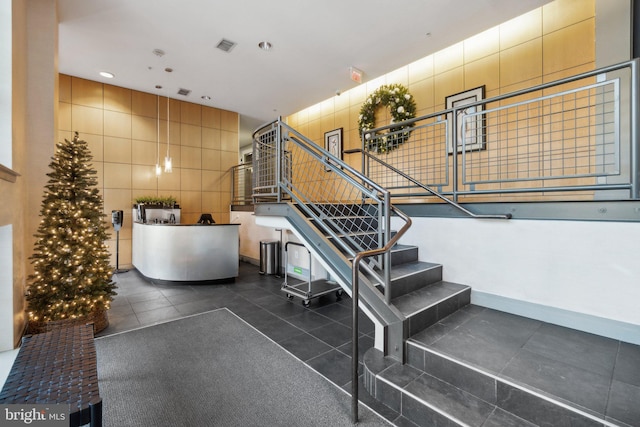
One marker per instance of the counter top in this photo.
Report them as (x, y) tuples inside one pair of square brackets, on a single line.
[(180, 225)]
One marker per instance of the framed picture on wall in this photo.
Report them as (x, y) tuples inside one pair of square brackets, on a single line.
[(333, 144), (470, 131)]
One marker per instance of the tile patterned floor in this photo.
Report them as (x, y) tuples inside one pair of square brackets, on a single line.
[(319, 335), (598, 374)]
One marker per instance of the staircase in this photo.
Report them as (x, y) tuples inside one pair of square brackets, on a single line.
[(416, 287), (466, 365), (481, 367), (338, 213)]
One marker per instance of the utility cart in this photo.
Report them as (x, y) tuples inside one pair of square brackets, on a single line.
[(306, 289)]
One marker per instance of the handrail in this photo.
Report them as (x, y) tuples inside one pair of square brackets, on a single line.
[(355, 281), (356, 187), (426, 187)]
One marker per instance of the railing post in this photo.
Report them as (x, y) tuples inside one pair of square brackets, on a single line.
[(454, 152), (354, 336), (278, 154), (234, 170), (635, 110), (386, 257)]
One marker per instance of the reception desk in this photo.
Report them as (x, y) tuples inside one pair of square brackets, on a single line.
[(186, 252)]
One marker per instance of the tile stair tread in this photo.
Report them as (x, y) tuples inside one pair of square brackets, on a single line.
[(451, 401), (456, 403), (343, 217), (418, 385), (400, 248), (431, 338), (409, 268), (427, 297)]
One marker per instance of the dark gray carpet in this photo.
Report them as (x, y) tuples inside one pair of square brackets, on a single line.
[(213, 369)]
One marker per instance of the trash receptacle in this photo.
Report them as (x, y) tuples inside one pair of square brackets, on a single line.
[(270, 257)]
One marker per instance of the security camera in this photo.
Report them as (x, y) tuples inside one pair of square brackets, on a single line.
[(338, 93)]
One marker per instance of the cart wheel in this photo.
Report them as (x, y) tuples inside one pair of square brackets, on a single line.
[(289, 296), (339, 294), (306, 302)]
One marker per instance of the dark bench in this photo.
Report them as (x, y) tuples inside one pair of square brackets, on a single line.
[(58, 367)]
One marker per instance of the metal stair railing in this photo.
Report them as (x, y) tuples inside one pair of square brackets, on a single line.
[(350, 209), (352, 212), (430, 190), (355, 298)]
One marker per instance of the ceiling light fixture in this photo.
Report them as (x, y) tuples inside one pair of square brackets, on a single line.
[(167, 159), (206, 97), (264, 45), (107, 74), (158, 168)]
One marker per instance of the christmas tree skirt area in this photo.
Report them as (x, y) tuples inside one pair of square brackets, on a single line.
[(99, 319)]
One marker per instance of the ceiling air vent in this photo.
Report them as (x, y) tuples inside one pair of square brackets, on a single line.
[(184, 92), (226, 45)]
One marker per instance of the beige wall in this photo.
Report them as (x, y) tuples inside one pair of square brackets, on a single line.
[(120, 126), (13, 194), (545, 44), (33, 56)]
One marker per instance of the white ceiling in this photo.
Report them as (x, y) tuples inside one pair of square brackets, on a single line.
[(314, 44)]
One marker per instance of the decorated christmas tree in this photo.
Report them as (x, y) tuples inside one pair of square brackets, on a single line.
[(72, 274)]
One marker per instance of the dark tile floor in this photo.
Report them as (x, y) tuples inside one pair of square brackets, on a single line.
[(592, 372), (319, 335), (604, 373)]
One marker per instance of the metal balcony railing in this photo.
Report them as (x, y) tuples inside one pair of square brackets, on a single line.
[(242, 184), (571, 139)]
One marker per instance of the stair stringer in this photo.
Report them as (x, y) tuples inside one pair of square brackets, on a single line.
[(389, 321)]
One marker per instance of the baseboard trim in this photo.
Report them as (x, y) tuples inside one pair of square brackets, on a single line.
[(609, 328), (249, 260)]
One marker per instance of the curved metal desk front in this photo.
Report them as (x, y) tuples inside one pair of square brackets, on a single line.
[(186, 252)]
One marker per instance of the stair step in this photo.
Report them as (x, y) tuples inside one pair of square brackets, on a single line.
[(343, 210), (348, 223), (402, 254), (411, 276), (422, 398), (428, 305), (546, 374), (475, 398)]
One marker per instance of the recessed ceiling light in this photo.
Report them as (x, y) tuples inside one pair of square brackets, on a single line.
[(107, 74), (206, 97), (264, 45), (158, 86)]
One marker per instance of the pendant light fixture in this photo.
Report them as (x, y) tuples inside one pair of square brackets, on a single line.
[(167, 159), (158, 168)]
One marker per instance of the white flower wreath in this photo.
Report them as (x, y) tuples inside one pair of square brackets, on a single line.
[(401, 106)]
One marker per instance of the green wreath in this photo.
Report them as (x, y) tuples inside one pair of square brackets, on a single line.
[(401, 106)]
